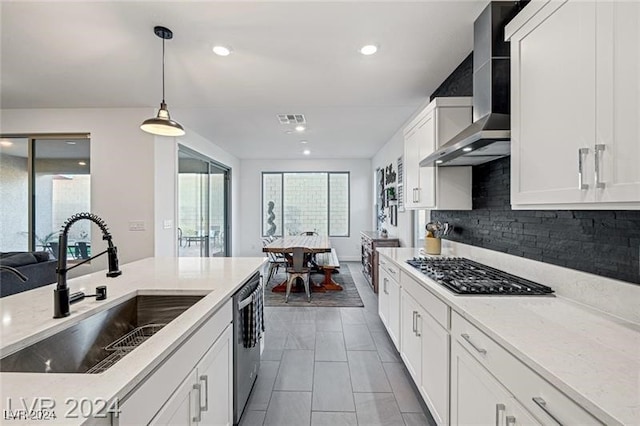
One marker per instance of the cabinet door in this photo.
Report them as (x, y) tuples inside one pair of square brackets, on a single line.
[(215, 375), (181, 408), (434, 385), (393, 325), (383, 297), (426, 133), (553, 75), (410, 344), (479, 399), (411, 171), (618, 101)]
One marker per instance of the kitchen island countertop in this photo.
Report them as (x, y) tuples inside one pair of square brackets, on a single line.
[(28, 317)]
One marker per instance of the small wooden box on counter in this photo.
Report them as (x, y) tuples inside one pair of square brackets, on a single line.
[(370, 241)]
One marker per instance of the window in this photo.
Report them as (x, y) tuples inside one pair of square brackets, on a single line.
[(44, 179), (305, 201)]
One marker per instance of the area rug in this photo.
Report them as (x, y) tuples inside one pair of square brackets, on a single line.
[(348, 297)]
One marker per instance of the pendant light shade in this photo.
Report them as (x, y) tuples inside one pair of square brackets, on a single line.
[(162, 124)]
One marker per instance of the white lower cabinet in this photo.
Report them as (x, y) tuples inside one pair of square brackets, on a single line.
[(425, 349), (535, 396), (479, 399), (194, 385), (205, 396), (389, 304)]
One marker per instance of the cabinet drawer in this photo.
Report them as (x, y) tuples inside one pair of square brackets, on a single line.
[(392, 270), (540, 397), (431, 304)]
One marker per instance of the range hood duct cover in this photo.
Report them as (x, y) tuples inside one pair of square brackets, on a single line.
[(491, 94)]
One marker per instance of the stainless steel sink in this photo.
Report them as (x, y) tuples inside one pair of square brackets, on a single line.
[(81, 348)]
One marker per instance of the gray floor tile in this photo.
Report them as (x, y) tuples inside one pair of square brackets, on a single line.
[(352, 315), (252, 418), (275, 339), (367, 374), (261, 393), (385, 346), (329, 325), (332, 387), (272, 354), (402, 388), (330, 346), (301, 336), (358, 338), (417, 419), (377, 409), (325, 314), (374, 322), (289, 409), (296, 371), (322, 418)]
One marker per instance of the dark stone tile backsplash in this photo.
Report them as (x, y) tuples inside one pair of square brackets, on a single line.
[(602, 242)]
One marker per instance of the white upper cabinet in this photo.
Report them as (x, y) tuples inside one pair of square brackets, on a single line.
[(432, 187), (575, 116)]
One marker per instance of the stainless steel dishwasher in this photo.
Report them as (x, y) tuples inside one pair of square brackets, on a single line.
[(246, 361)]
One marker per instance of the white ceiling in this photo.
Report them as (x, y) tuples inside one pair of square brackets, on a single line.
[(289, 57)]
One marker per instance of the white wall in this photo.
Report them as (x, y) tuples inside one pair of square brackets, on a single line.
[(122, 169), (361, 178), (133, 174)]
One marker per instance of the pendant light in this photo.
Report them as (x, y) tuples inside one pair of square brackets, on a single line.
[(162, 124)]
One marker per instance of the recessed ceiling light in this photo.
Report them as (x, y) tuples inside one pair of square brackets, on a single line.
[(71, 142), (304, 142), (6, 143), (82, 163), (300, 128), (438, 161), (306, 152), (288, 131), (221, 50), (467, 149), (369, 49)]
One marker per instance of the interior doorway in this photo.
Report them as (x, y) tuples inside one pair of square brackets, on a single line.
[(203, 206)]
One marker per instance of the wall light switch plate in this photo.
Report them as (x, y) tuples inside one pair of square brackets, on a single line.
[(136, 225), (167, 224)]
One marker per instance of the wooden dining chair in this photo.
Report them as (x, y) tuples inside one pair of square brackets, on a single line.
[(297, 270)]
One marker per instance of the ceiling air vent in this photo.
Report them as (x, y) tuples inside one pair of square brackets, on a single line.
[(291, 119)]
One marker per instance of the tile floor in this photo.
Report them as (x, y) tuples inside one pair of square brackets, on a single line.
[(332, 366)]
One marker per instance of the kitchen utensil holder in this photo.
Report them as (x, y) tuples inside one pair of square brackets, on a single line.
[(433, 245)]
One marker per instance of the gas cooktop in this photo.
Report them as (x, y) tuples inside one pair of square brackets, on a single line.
[(464, 276)]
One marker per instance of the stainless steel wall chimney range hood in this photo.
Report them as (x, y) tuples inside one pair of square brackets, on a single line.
[(488, 138)]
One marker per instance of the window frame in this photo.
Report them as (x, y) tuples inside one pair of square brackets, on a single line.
[(282, 190)]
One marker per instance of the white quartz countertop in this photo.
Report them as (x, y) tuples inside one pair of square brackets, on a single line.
[(28, 317), (593, 357)]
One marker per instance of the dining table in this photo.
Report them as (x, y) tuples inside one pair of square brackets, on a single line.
[(313, 244)]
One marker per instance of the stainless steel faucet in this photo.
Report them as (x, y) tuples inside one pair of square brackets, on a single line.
[(61, 297), (15, 272)]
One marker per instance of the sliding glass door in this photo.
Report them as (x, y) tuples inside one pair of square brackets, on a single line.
[(203, 206)]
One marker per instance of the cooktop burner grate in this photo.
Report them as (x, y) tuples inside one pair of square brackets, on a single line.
[(464, 276)]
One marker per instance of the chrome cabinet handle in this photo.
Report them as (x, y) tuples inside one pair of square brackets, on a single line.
[(468, 339), (598, 150), (418, 192), (392, 271), (205, 379), (198, 416), (384, 285), (581, 185), (414, 322), (417, 318), (543, 405), (511, 420), (499, 413)]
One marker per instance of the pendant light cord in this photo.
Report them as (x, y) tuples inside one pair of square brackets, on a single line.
[(163, 70)]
